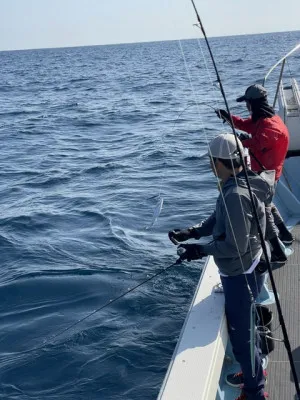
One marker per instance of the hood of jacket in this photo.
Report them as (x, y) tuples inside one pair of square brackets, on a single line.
[(260, 108), (261, 185)]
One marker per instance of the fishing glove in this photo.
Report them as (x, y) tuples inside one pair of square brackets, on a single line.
[(222, 114), (181, 235), (244, 136), (191, 252)]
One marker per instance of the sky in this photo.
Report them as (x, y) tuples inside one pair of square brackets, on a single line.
[(28, 24)]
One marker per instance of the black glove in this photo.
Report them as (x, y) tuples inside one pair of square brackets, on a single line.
[(191, 252), (181, 235), (222, 114), (244, 136)]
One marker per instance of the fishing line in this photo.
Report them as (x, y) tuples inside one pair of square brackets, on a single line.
[(265, 252), (218, 86), (107, 304), (215, 85), (252, 346), (193, 90), (138, 102), (206, 136), (160, 199)]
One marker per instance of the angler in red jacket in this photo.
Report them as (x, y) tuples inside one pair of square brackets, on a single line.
[(268, 142)]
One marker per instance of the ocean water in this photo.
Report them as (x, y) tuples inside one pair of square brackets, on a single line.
[(92, 139)]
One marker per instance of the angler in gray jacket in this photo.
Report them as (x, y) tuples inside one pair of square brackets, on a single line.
[(236, 249), (236, 242)]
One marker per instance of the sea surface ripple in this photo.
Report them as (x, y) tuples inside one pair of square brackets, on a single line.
[(92, 138)]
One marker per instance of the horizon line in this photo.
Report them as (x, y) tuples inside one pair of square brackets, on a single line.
[(146, 41)]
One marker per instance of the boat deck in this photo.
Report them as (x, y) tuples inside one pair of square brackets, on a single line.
[(280, 384)]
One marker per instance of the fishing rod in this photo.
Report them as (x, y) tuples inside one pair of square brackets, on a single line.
[(260, 233), (180, 252)]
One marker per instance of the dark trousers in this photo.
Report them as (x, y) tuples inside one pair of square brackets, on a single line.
[(237, 309), (273, 218)]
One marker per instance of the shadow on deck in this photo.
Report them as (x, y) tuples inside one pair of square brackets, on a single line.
[(280, 384)]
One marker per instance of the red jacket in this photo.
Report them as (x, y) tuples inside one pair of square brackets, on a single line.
[(269, 142)]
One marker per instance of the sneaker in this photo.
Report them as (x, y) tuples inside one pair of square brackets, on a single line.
[(287, 238), (242, 396), (278, 258), (278, 254), (264, 362), (237, 380)]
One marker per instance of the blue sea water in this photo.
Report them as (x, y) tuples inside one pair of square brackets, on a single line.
[(91, 139)]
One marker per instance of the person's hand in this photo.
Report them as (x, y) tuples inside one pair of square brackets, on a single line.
[(191, 252), (244, 136), (181, 235), (222, 114)]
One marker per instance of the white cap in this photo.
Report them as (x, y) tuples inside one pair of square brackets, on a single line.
[(224, 146)]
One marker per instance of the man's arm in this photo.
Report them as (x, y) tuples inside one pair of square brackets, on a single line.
[(237, 227), (245, 125), (261, 141), (205, 228)]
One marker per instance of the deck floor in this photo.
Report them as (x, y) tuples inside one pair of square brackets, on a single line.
[(280, 384)]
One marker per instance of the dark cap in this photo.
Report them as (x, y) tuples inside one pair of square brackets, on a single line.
[(253, 92)]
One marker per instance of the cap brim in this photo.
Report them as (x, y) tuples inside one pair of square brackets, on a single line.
[(240, 99)]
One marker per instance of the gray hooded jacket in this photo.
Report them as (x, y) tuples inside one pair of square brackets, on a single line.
[(236, 241)]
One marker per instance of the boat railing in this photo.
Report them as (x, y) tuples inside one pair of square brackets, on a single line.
[(282, 61), (196, 365)]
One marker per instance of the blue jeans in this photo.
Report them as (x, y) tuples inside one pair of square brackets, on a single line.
[(237, 309)]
